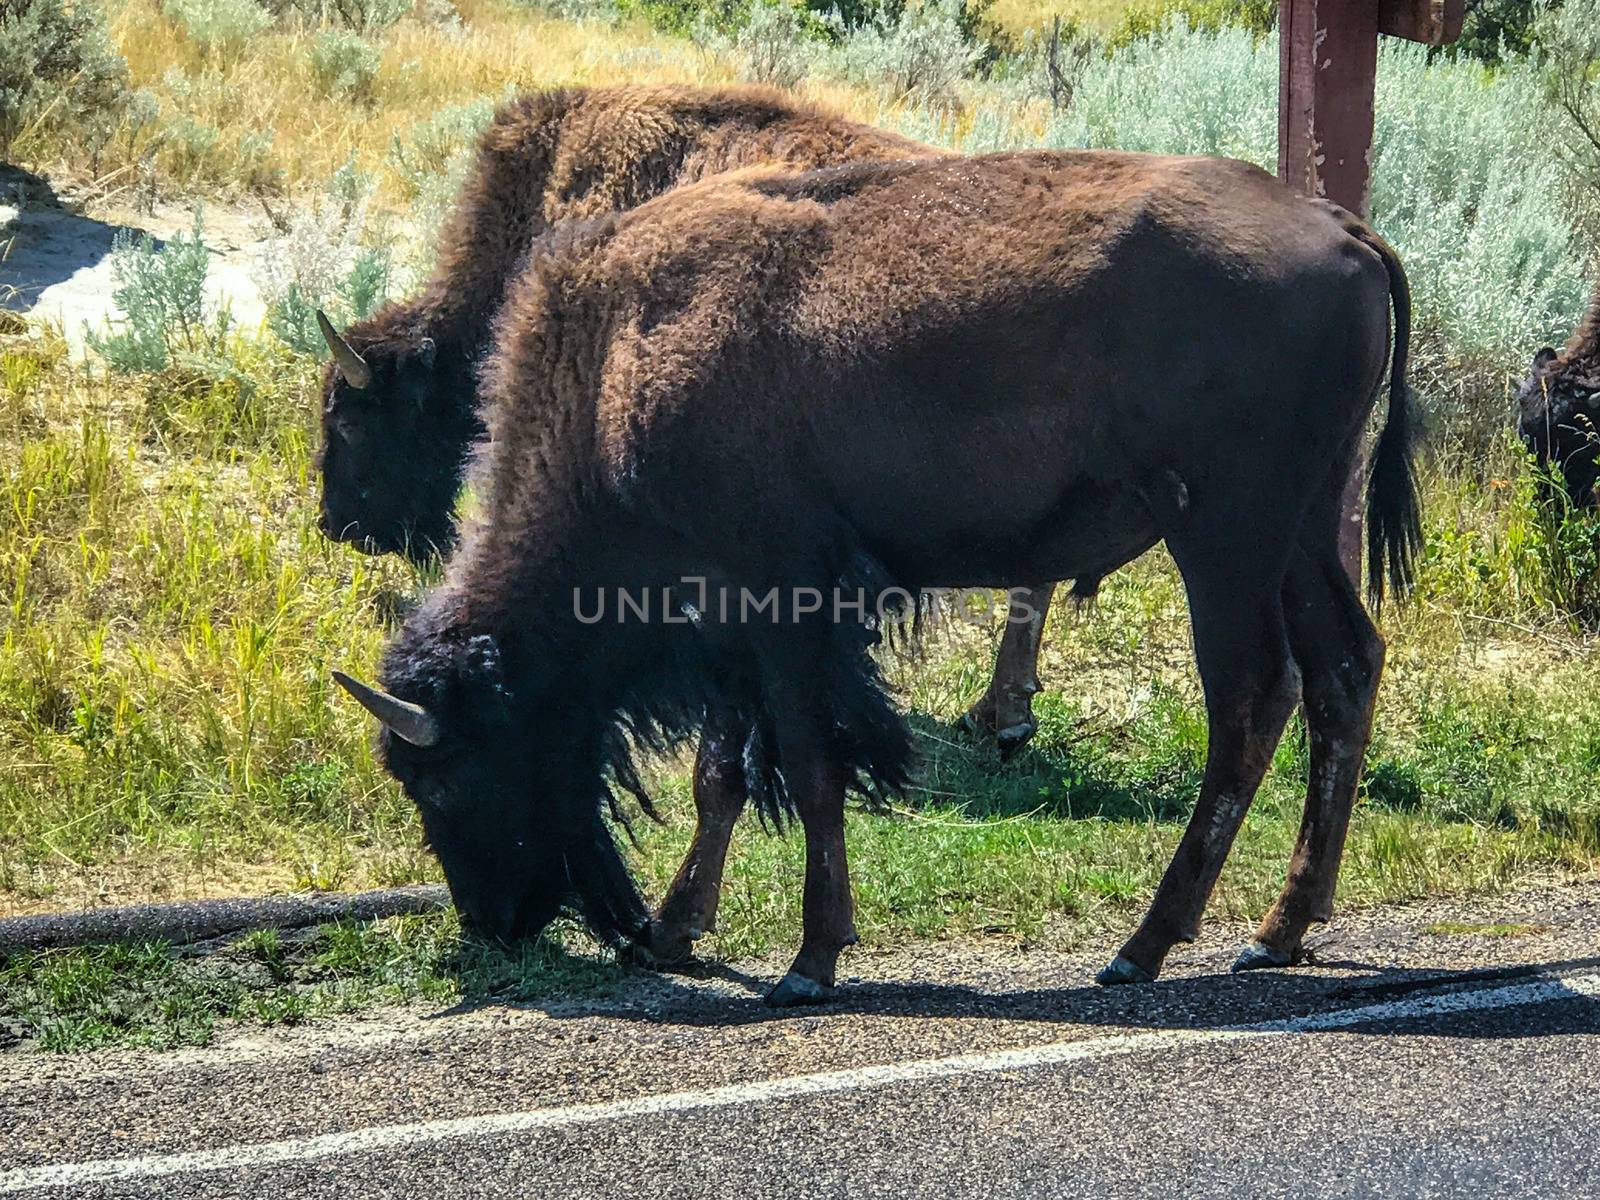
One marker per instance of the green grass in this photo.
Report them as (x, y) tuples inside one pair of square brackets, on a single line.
[(169, 615), (153, 996)]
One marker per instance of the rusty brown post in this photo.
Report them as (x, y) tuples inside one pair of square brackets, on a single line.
[(1327, 66), (1327, 72), (1327, 69)]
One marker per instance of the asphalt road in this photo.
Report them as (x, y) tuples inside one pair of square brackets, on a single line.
[(1416, 1060)]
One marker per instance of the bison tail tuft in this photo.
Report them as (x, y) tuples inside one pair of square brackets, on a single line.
[(1394, 512)]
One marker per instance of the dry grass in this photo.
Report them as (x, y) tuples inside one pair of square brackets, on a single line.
[(254, 119), (268, 91), (1018, 15)]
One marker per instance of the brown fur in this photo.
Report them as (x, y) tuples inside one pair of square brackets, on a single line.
[(1580, 358), (924, 374), (579, 153)]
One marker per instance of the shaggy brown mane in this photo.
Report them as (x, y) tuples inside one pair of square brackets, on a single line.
[(579, 153)]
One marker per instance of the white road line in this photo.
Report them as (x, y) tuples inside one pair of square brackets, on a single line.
[(397, 1137)]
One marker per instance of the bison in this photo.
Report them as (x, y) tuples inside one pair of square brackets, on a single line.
[(399, 409), (824, 390), (399, 405), (1560, 410)]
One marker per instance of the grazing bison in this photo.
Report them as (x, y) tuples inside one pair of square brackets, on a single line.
[(1560, 403), (758, 400), (399, 406)]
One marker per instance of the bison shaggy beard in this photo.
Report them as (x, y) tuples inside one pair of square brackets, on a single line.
[(511, 799)]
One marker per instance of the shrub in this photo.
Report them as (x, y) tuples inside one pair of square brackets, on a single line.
[(186, 147), (343, 64), (1048, 63), (431, 146), (1569, 40), (253, 165), (357, 16), (318, 262), (141, 112), (160, 291), (775, 44), (1497, 30), (56, 63), (605, 12), (292, 315), (432, 158), (923, 51), (218, 27), (1149, 20), (1484, 218)]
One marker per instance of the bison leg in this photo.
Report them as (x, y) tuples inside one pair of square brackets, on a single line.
[(1251, 686), (816, 775), (829, 909), (1340, 655), (689, 910), (1006, 709)]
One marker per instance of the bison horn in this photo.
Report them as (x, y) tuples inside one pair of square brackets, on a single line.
[(409, 721), (351, 365)]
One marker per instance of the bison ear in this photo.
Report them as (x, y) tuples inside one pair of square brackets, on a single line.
[(1544, 358), (481, 660)]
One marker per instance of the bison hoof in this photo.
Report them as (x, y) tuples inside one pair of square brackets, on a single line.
[(1123, 970), (656, 951), (1014, 737), (795, 989), (1258, 956)]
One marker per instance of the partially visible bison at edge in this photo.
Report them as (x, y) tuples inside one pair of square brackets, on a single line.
[(901, 375), (1560, 410)]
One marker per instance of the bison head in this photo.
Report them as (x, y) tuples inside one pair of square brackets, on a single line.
[(509, 784), (1560, 424), (397, 422)]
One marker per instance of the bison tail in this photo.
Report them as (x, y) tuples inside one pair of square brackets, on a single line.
[(1394, 512)]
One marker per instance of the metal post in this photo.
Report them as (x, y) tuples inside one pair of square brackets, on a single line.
[(1327, 70)]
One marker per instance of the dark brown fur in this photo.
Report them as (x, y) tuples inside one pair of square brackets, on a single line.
[(1560, 410), (916, 374)]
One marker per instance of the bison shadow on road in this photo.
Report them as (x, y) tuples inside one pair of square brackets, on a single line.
[(718, 995)]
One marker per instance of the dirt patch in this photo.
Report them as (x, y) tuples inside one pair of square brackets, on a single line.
[(55, 256)]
